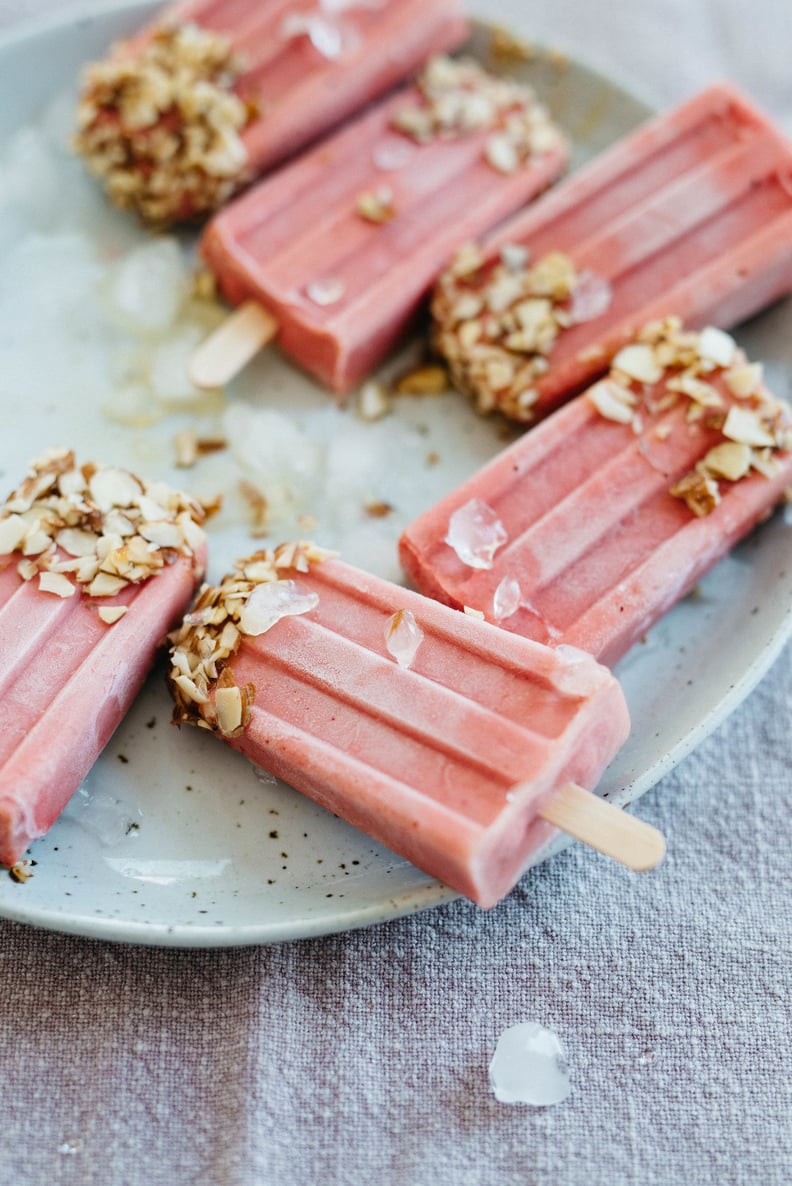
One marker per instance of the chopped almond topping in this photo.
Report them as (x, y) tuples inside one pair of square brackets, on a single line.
[(496, 323), (699, 491), (201, 680), (458, 98), (751, 430), (98, 528), (161, 125)]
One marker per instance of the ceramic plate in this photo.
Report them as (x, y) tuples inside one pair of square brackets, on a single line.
[(173, 839)]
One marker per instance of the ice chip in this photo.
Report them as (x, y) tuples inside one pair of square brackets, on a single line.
[(325, 292), (506, 599), (403, 636), (270, 602), (475, 533), (324, 36), (145, 289), (529, 1067), (591, 297), (394, 152)]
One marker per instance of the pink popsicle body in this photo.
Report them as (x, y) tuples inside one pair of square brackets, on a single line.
[(344, 289), (597, 544), (689, 215), (302, 92), (446, 761), (68, 679)]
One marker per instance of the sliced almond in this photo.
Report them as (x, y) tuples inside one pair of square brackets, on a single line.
[(612, 401), (57, 583), (745, 426), (638, 362), (730, 460), (111, 613), (743, 381)]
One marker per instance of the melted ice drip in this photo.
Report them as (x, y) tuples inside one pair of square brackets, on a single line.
[(529, 1067), (270, 602), (403, 636), (475, 533)]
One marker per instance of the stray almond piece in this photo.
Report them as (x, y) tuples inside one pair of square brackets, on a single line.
[(21, 872), (376, 205), (426, 380), (730, 460), (258, 505), (111, 613), (378, 509), (373, 402), (473, 613)]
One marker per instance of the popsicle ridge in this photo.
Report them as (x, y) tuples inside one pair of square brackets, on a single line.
[(95, 567), (691, 214), (445, 744), (213, 92), (598, 520), (162, 127)]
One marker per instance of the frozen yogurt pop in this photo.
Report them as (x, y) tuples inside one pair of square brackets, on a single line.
[(593, 524), (95, 567), (449, 741), (335, 252), (689, 215), (217, 91)]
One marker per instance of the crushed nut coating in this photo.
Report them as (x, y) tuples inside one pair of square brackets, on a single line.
[(704, 372), (96, 529), (210, 635), (496, 323), (161, 125), (458, 98)]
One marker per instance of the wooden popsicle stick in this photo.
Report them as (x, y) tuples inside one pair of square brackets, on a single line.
[(232, 345), (607, 828)]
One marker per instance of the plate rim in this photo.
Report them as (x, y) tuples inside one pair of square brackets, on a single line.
[(400, 905)]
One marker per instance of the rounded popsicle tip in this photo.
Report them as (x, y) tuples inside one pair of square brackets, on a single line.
[(161, 126)]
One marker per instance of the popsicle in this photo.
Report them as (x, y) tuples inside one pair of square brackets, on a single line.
[(450, 741), (593, 524), (689, 215), (95, 567), (215, 91), (338, 249)]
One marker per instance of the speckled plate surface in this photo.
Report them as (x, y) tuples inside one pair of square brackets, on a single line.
[(175, 840)]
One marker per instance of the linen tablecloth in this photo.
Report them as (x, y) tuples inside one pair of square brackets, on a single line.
[(362, 1058)]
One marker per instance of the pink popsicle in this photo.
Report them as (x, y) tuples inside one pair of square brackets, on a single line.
[(342, 245), (689, 215), (74, 661), (214, 92), (597, 521), (433, 732)]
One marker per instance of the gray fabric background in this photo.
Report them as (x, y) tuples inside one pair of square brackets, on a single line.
[(362, 1058)]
